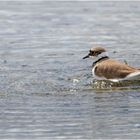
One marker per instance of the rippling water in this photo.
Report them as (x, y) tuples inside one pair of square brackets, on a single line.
[(46, 90)]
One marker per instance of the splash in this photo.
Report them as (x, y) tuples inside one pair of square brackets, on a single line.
[(105, 84)]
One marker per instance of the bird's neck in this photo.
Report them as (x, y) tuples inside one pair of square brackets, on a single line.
[(100, 57)]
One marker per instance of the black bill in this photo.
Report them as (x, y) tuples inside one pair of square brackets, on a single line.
[(86, 57)]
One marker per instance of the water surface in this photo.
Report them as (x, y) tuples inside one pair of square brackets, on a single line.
[(46, 90)]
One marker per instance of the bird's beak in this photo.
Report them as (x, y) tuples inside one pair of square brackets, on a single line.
[(86, 56)]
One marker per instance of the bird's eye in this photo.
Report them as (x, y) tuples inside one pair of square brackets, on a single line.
[(91, 52), (99, 53)]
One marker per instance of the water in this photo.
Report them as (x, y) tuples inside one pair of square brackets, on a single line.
[(45, 90)]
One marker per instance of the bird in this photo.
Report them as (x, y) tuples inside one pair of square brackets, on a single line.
[(106, 68)]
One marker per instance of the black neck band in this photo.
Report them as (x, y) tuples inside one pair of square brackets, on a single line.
[(105, 57)]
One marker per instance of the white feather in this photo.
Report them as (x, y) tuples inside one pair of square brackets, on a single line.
[(133, 76)]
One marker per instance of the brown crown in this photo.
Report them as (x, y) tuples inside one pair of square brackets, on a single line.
[(98, 49)]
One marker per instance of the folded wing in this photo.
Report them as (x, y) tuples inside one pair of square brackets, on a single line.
[(111, 69)]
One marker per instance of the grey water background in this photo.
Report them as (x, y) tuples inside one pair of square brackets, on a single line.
[(45, 88)]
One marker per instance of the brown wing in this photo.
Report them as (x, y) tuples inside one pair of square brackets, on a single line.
[(112, 69)]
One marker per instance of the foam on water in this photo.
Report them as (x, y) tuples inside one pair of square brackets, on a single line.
[(105, 84)]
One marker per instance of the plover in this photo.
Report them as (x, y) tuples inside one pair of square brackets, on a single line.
[(105, 68)]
